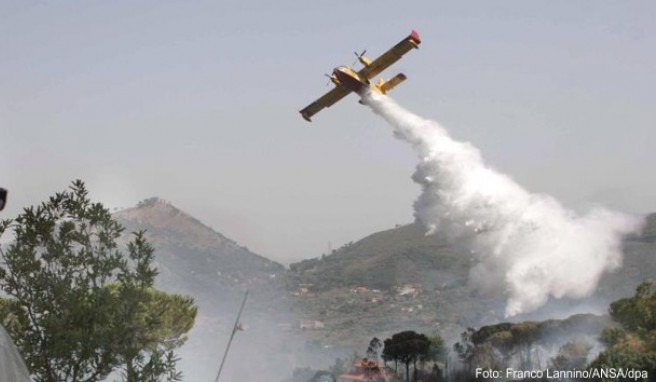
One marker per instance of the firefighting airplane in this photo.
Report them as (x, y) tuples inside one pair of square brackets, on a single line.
[(347, 80)]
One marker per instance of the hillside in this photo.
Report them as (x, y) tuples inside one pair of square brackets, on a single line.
[(401, 278), (195, 260), (388, 281), (649, 232), (192, 256), (404, 255)]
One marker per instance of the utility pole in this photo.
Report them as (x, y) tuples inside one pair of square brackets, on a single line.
[(234, 330)]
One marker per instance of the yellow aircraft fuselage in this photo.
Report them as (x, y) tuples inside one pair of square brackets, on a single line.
[(349, 78)]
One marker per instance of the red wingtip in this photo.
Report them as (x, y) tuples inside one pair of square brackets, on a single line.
[(414, 36)]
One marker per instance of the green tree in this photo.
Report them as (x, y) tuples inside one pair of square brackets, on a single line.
[(572, 355), (374, 348), (634, 344), (79, 308), (159, 322), (637, 314), (525, 334), (371, 363), (406, 347), (475, 351), (437, 353)]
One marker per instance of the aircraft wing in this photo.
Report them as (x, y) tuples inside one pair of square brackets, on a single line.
[(326, 100), (391, 56)]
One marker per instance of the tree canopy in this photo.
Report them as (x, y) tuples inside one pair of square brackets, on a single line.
[(406, 347), (78, 307), (633, 345)]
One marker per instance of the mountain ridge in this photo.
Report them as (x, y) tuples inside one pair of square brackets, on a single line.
[(194, 255), (388, 280)]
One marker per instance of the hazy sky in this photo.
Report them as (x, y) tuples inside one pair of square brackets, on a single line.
[(196, 102)]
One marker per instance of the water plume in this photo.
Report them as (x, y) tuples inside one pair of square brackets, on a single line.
[(528, 245)]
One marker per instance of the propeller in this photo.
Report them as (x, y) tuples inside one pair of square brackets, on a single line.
[(358, 55), (330, 78)]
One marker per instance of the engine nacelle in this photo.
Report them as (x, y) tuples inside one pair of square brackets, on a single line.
[(366, 61)]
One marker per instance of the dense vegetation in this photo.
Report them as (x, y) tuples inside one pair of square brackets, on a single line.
[(633, 344), (415, 357), (384, 260), (628, 335), (528, 345), (80, 309)]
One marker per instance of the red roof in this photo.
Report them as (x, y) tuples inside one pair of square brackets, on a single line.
[(362, 364), (366, 370), (381, 376)]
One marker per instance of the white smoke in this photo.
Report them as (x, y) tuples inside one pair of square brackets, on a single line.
[(527, 243)]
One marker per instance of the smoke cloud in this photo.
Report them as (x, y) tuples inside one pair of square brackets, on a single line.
[(527, 244)]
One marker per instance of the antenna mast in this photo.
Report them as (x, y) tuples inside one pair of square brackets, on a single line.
[(234, 330)]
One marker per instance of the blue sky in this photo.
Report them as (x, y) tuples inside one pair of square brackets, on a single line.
[(196, 102)]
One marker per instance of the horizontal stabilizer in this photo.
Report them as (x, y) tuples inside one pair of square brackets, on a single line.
[(392, 82)]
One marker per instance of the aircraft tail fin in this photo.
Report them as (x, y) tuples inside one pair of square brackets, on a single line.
[(392, 82)]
